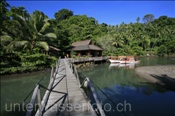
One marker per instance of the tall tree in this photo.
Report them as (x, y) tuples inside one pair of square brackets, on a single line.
[(138, 19), (106, 42), (4, 10), (20, 11), (148, 18), (63, 14)]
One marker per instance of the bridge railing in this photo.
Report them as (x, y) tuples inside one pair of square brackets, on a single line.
[(88, 84), (36, 94)]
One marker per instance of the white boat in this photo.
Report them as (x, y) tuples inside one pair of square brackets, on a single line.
[(114, 61), (124, 60), (129, 61), (117, 59)]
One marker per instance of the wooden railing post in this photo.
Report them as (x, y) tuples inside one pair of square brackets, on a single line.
[(32, 101), (77, 76), (57, 65), (36, 93), (51, 75), (39, 100), (99, 105)]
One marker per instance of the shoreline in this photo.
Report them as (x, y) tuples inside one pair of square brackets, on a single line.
[(163, 75), (18, 75)]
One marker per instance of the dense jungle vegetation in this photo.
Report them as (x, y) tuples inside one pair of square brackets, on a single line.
[(27, 39)]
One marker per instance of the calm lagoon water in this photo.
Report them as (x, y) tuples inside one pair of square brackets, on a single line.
[(16, 87), (123, 93), (119, 83)]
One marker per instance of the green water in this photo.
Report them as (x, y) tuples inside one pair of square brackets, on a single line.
[(16, 87), (123, 93)]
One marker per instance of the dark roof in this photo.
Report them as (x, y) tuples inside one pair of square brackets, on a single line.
[(85, 47), (93, 47), (81, 43)]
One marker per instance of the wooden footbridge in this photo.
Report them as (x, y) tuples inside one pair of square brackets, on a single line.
[(64, 95)]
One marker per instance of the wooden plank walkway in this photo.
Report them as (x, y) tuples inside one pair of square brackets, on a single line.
[(66, 98)]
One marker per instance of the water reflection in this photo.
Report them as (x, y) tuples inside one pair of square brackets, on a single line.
[(120, 83), (119, 65), (15, 88), (144, 101)]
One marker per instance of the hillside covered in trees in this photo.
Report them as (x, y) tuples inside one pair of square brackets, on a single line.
[(27, 39)]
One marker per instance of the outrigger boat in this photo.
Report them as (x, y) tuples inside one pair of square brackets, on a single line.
[(116, 59), (123, 60)]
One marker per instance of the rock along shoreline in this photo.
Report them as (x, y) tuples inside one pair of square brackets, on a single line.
[(162, 75)]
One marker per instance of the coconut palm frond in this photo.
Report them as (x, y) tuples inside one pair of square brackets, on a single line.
[(21, 20), (26, 25), (43, 44), (5, 40), (50, 35), (33, 21), (45, 26), (40, 17), (46, 20), (21, 43), (16, 44)]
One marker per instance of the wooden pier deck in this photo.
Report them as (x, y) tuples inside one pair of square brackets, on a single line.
[(66, 98)]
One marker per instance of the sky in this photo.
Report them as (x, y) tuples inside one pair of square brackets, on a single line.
[(109, 12)]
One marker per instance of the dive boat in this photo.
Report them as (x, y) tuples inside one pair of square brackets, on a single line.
[(124, 60), (129, 60), (116, 59)]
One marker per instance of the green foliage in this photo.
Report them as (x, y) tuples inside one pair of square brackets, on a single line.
[(119, 52), (162, 50), (148, 18), (106, 43), (170, 47), (27, 63), (137, 51), (51, 61), (26, 38), (73, 54), (63, 14), (25, 41), (4, 11)]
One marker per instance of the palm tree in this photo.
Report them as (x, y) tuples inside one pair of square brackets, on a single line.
[(145, 41), (118, 40), (33, 32)]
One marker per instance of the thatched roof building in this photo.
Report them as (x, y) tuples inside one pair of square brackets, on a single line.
[(85, 48)]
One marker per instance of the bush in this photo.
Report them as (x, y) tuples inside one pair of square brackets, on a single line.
[(28, 62), (170, 47), (138, 51), (162, 50)]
